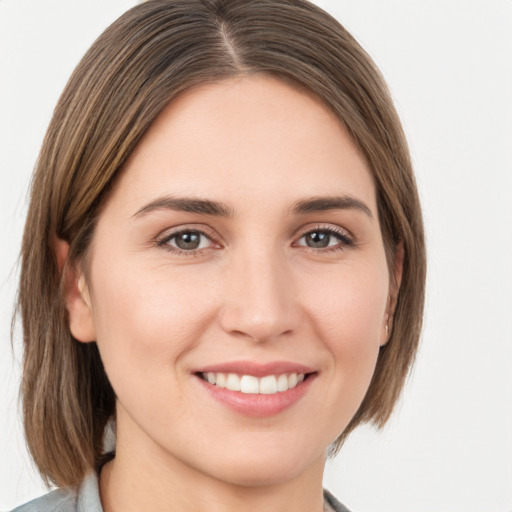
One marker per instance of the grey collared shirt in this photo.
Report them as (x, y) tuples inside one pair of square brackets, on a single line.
[(87, 499), (84, 499)]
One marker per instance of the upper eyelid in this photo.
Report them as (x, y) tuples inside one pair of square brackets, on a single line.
[(332, 228), (171, 232)]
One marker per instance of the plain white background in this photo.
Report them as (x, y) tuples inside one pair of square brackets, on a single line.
[(448, 448)]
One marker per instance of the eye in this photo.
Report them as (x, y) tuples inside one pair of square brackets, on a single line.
[(325, 238), (188, 240)]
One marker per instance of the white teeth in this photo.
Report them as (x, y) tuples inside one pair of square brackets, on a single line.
[(221, 380), (249, 384), (282, 383), (268, 385), (233, 382)]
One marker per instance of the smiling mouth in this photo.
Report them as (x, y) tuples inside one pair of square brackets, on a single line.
[(249, 384)]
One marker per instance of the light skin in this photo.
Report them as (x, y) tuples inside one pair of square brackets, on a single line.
[(279, 258)]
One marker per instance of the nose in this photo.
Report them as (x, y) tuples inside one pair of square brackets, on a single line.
[(260, 302)]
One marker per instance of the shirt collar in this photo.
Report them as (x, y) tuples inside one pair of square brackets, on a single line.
[(88, 499)]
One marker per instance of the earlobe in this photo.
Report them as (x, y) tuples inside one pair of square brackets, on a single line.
[(384, 337), (78, 304), (77, 297), (394, 288)]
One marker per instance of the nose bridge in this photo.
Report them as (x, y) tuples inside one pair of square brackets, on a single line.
[(260, 302)]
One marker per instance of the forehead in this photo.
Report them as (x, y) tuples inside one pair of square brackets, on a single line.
[(249, 137)]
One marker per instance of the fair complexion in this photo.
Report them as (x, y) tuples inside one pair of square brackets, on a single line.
[(242, 239)]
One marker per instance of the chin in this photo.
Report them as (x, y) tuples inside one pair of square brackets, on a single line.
[(268, 463)]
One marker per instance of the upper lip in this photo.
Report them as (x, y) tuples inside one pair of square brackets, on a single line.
[(256, 369)]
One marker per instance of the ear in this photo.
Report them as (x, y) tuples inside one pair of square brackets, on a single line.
[(77, 296), (394, 288)]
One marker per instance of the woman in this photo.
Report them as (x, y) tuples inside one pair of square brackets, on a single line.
[(223, 261)]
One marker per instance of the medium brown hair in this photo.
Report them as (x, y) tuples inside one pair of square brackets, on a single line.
[(137, 66)]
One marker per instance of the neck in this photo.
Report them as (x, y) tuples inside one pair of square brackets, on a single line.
[(144, 480)]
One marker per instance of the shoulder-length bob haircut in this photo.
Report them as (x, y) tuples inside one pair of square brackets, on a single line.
[(151, 54)]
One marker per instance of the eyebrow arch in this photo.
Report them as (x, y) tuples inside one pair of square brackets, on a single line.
[(186, 204), (321, 204)]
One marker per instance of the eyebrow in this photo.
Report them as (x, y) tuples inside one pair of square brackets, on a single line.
[(217, 209), (322, 204), (186, 204)]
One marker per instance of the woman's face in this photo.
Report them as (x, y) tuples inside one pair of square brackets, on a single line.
[(241, 246)]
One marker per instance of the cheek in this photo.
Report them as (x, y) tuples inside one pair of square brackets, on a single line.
[(147, 319), (350, 304), (348, 309)]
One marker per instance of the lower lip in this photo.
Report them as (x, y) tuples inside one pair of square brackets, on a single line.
[(258, 405)]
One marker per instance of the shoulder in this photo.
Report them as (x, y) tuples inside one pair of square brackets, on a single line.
[(60, 500), (85, 498), (333, 503)]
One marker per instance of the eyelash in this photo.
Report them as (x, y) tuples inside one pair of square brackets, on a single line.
[(345, 240), (163, 241)]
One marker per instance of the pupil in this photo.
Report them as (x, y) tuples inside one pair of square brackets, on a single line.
[(318, 239), (188, 240)]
